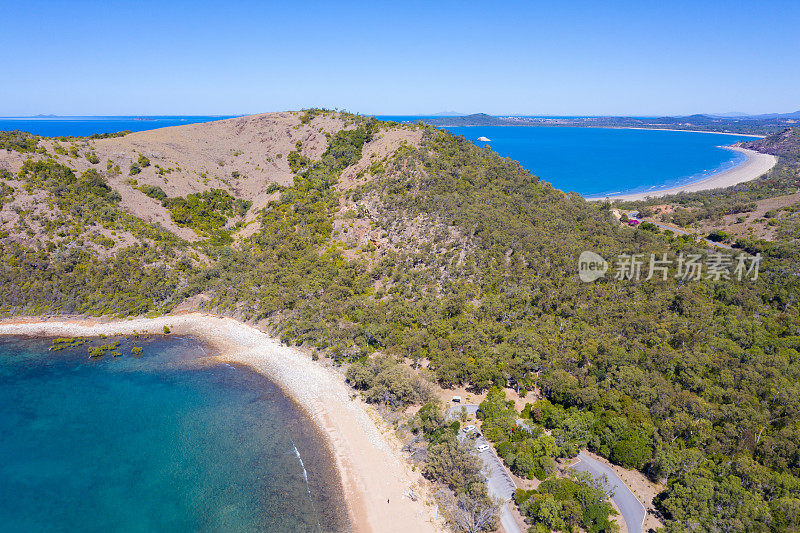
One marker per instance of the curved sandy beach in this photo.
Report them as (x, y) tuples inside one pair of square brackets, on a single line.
[(375, 476), (756, 165)]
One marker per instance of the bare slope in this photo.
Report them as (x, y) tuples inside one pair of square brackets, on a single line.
[(243, 156)]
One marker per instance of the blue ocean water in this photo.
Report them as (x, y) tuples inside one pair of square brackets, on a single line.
[(84, 126), (157, 443), (590, 161), (604, 161), (601, 161)]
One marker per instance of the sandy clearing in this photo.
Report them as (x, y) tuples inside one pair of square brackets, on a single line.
[(375, 475), (756, 165)]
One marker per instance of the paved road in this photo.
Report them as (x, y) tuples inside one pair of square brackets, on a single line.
[(507, 520), (679, 231), (632, 509), (455, 409), (501, 484), (498, 480)]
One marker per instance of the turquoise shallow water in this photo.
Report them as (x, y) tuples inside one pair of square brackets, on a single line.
[(155, 444)]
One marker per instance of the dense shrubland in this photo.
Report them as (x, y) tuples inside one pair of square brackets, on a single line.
[(206, 212), (19, 141), (695, 383)]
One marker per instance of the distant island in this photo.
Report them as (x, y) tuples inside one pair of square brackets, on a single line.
[(748, 124)]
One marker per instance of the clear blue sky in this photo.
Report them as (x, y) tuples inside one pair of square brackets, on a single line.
[(409, 57)]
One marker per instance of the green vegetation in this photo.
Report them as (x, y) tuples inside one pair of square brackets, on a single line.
[(309, 114), (96, 352), (718, 236), (6, 190), (566, 504), (205, 212), (19, 141), (454, 465), (529, 451), (525, 448), (304, 285), (383, 381), (297, 162), (153, 191), (637, 371), (695, 383), (62, 343), (71, 279), (109, 135), (85, 198), (783, 179)]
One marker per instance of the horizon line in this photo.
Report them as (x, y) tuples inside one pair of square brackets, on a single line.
[(432, 115)]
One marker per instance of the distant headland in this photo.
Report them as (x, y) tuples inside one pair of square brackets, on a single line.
[(744, 124)]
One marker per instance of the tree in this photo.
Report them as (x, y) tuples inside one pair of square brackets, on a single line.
[(633, 451), (454, 463), (470, 512)]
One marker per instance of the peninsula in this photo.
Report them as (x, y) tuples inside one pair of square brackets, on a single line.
[(406, 263)]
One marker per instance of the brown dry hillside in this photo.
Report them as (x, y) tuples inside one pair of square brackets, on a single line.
[(242, 156)]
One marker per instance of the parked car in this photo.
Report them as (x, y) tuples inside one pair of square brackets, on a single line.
[(469, 429), (482, 447)]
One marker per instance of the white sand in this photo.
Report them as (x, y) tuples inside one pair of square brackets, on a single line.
[(694, 131), (372, 468), (756, 165)]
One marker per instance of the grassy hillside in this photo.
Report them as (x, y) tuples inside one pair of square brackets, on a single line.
[(409, 242)]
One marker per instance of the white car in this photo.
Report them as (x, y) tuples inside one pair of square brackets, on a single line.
[(482, 447), (469, 429)]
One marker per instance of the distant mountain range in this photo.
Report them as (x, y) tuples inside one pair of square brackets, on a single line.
[(752, 124), (767, 116)]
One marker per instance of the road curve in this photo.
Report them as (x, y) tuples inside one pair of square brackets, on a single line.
[(632, 509)]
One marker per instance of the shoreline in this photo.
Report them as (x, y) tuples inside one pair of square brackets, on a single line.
[(367, 457), (690, 131), (755, 136), (755, 166)]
